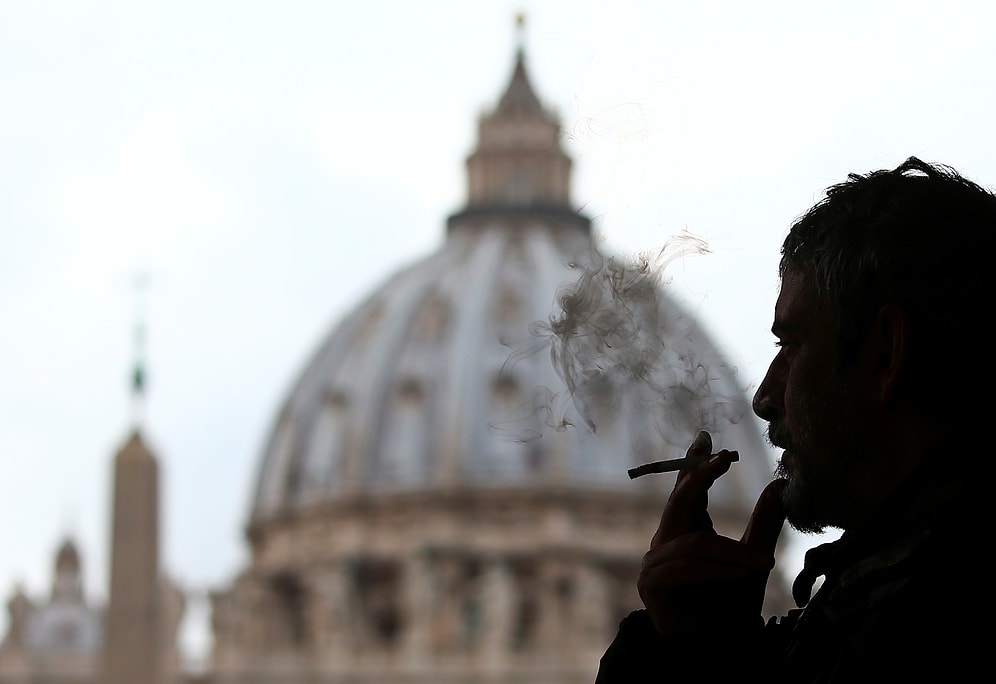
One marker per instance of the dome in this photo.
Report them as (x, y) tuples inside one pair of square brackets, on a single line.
[(444, 494), (445, 376), (65, 628), (65, 625)]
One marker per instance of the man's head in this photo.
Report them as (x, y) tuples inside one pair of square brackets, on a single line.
[(920, 237), (880, 320)]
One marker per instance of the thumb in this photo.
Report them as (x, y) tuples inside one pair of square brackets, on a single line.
[(766, 521)]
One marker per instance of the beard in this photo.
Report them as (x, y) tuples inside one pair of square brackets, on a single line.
[(826, 449)]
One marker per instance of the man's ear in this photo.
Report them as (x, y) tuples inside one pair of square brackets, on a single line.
[(887, 352)]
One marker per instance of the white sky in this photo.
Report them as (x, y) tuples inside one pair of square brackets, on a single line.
[(268, 164)]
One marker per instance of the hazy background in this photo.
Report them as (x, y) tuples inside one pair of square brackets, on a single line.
[(267, 164)]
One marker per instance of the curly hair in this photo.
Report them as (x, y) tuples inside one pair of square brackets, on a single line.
[(919, 236)]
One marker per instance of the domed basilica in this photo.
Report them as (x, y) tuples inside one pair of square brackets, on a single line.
[(443, 497)]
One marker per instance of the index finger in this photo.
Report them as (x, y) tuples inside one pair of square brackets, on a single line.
[(686, 507)]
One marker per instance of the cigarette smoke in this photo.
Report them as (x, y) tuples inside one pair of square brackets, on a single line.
[(615, 340)]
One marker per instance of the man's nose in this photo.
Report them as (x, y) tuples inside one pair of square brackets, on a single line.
[(768, 397)]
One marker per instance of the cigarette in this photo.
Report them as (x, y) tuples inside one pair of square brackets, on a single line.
[(665, 466)]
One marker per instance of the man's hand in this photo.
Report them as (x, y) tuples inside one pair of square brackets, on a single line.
[(693, 579)]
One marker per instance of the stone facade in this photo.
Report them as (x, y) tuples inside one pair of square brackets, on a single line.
[(474, 587)]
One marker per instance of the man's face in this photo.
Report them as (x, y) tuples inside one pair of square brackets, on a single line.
[(812, 413)]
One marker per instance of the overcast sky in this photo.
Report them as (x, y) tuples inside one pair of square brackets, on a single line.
[(265, 165)]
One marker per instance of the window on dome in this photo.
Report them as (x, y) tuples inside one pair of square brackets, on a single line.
[(507, 307), (433, 319), (507, 450), (323, 460), (402, 456), (609, 453)]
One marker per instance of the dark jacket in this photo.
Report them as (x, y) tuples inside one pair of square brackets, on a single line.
[(906, 597)]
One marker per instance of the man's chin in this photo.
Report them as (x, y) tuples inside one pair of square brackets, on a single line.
[(799, 511), (803, 525)]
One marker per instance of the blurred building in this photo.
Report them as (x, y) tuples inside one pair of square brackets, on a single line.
[(421, 513), (431, 506), (53, 640), (65, 639)]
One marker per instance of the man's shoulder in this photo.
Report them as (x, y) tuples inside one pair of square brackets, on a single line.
[(912, 602)]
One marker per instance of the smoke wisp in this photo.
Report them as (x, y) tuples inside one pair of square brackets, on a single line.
[(625, 351)]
